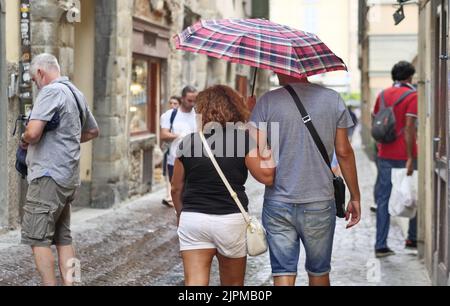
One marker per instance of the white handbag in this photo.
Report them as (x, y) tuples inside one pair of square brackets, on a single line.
[(256, 234)]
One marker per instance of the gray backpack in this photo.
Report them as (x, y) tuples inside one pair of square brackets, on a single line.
[(383, 124)]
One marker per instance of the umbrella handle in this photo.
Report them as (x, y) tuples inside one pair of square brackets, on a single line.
[(254, 82)]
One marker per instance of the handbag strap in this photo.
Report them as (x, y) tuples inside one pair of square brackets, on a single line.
[(312, 130), (223, 177)]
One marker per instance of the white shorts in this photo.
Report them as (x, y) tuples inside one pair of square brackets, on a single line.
[(226, 233)]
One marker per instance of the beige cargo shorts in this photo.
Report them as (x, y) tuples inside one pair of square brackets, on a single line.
[(46, 216)]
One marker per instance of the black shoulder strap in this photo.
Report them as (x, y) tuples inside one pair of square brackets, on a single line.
[(78, 103), (383, 100), (172, 118), (312, 130)]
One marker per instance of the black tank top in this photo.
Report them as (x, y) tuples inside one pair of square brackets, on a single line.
[(204, 191)]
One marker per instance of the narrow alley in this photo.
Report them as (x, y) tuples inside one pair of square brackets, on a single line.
[(136, 244)]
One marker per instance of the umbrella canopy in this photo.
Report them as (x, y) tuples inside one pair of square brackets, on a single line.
[(262, 44)]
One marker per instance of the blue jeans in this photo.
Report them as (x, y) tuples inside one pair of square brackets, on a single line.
[(288, 224), (383, 189)]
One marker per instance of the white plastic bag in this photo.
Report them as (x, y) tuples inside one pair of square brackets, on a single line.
[(403, 201)]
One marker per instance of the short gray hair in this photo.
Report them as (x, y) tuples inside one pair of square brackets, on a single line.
[(187, 90), (46, 62)]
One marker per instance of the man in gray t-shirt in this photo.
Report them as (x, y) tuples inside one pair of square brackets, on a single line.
[(57, 154), (300, 205), (59, 122)]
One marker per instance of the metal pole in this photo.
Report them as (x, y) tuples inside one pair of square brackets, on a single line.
[(254, 82)]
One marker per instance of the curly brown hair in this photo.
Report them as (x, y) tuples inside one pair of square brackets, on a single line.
[(221, 104)]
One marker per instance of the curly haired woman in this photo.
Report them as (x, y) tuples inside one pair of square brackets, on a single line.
[(210, 222)]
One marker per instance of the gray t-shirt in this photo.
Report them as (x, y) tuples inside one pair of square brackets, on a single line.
[(302, 175), (57, 154)]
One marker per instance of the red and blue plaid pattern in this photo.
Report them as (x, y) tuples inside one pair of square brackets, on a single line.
[(262, 44)]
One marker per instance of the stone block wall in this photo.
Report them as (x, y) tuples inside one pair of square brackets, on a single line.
[(15, 182), (175, 60), (136, 159), (114, 26)]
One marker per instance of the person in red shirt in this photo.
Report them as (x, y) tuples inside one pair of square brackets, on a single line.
[(402, 153)]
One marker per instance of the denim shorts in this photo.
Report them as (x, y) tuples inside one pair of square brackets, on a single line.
[(287, 224)]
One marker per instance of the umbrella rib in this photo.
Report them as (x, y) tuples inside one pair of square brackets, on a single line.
[(233, 43), (208, 39), (224, 27), (300, 59), (299, 62), (286, 29)]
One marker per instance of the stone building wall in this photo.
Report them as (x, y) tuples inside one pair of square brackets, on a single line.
[(10, 195), (175, 61), (46, 37), (52, 33), (117, 164), (135, 166), (15, 182), (4, 209), (114, 28)]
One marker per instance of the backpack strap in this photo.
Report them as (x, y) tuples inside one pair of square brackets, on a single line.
[(400, 100), (403, 97), (172, 119), (383, 100)]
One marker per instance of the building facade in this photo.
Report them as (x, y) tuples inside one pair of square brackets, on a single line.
[(341, 37), (432, 63), (121, 55), (434, 138), (10, 183), (381, 45)]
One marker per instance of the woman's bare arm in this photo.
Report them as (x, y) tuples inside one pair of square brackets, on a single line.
[(178, 187)]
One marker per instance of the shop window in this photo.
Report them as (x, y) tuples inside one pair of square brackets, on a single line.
[(144, 94), (139, 97)]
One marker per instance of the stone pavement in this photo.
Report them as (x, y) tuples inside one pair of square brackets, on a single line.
[(135, 243), (354, 262)]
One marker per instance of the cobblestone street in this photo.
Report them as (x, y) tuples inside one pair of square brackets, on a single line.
[(136, 244)]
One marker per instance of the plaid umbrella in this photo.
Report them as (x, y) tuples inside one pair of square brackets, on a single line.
[(261, 44)]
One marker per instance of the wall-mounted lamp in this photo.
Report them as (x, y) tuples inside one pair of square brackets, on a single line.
[(399, 14)]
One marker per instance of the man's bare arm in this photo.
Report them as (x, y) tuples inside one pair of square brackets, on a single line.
[(347, 162), (89, 135), (34, 131), (410, 136), (166, 135)]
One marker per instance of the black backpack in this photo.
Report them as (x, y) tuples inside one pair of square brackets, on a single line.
[(383, 124)]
